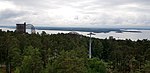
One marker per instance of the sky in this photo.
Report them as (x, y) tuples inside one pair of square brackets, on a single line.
[(76, 13)]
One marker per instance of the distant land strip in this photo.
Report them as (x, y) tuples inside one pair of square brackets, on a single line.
[(95, 30)]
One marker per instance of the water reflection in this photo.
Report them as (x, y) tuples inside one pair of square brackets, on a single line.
[(125, 35)]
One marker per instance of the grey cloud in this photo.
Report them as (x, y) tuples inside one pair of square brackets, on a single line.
[(120, 2), (7, 14), (81, 5), (11, 17), (35, 4), (99, 11)]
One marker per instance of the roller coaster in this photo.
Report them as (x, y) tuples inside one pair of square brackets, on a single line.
[(30, 26)]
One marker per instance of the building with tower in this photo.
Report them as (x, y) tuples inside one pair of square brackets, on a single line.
[(21, 28)]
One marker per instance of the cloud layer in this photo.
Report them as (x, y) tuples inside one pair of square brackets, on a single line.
[(83, 13)]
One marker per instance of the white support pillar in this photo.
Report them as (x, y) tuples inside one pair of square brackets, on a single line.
[(90, 44)]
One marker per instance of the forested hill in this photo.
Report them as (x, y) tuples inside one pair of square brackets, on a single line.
[(68, 53)]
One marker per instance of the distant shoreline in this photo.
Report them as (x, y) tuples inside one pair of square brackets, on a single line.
[(95, 30)]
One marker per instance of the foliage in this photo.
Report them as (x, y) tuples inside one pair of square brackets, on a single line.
[(26, 66), (96, 66), (67, 62), (68, 53), (17, 70), (146, 68), (32, 62)]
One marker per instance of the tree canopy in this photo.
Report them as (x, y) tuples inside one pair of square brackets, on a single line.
[(68, 53)]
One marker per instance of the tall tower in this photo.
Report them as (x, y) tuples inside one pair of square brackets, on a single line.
[(21, 28), (90, 43)]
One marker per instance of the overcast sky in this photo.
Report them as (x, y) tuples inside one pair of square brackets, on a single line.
[(76, 13)]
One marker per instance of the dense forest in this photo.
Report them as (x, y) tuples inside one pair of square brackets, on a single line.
[(68, 53)]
